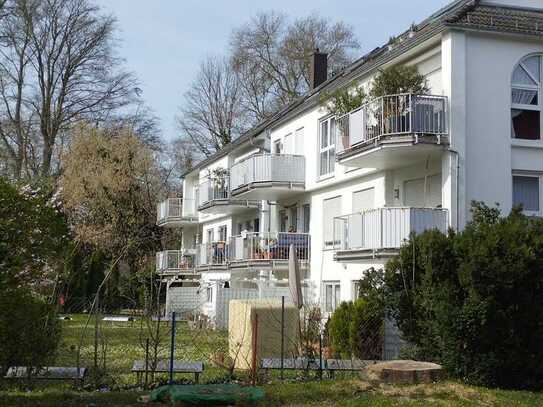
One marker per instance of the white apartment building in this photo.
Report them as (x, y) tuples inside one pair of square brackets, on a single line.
[(347, 191)]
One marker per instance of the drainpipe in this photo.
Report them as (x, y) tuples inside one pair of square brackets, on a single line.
[(457, 155)]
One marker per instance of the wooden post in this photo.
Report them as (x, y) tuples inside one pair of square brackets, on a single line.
[(255, 345), (282, 334), (146, 363), (172, 348)]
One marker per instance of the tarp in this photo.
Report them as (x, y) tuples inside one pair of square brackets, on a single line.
[(208, 395)]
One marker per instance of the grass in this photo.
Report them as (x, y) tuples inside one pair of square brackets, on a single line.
[(124, 344)]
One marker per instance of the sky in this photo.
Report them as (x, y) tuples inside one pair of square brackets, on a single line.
[(164, 41)]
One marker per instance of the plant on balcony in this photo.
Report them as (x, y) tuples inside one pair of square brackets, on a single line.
[(219, 179), (344, 100), (398, 79)]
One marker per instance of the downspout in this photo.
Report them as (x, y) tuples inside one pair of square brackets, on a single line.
[(457, 154)]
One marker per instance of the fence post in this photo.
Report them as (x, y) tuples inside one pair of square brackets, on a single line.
[(320, 356), (146, 363), (255, 345), (172, 348), (282, 334)]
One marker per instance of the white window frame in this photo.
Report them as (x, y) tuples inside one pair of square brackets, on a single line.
[(330, 244), (538, 88), (355, 289), (335, 300), (209, 294), (528, 174), (223, 232), (331, 145)]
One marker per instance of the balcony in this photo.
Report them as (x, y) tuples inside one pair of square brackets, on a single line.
[(214, 197), (175, 212), (266, 249), (381, 232), (393, 131), (268, 176), (176, 262), (212, 256)]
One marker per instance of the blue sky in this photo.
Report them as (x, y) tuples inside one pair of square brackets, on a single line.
[(163, 41)]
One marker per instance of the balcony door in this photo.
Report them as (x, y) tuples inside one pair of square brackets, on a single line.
[(423, 192)]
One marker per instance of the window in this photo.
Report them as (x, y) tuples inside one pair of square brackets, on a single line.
[(332, 296), (240, 228), (331, 210), (256, 224), (293, 225), (222, 233), (307, 215), (363, 200), (299, 142), (356, 290), (327, 146), (209, 235), (526, 99), (526, 192), (209, 294), (278, 147), (283, 219)]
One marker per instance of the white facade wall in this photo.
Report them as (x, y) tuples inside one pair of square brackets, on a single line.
[(473, 70)]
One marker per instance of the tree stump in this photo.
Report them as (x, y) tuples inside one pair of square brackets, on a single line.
[(405, 371)]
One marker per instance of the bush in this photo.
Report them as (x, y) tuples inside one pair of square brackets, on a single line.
[(339, 329), (29, 330), (367, 330), (356, 330), (473, 300)]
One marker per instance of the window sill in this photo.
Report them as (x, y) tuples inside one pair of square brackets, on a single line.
[(325, 177), (527, 143)]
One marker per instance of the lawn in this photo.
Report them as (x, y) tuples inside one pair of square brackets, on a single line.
[(124, 344)]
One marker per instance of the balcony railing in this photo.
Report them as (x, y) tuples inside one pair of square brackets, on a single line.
[(213, 253), (392, 115), (268, 168), (213, 189), (268, 246), (175, 261), (176, 209), (385, 228)]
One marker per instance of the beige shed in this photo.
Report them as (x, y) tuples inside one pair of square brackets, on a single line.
[(256, 324)]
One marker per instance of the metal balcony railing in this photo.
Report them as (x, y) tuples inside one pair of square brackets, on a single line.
[(175, 261), (385, 228), (268, 246), (176, 209), (268, 168), (392, 115), (213, 189), (213, 253)]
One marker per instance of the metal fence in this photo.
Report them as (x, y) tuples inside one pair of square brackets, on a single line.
[(265, 168), (212, 253), (213, 189), (385, 228), (392, 115), (176, 208), (268, 246), (175, 261)]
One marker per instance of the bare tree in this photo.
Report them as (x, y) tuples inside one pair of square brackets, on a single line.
[(15, 115), (57, 67), (272, 56), (211, 114)]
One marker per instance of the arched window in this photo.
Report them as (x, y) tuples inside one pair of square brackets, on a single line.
[(527, 99)]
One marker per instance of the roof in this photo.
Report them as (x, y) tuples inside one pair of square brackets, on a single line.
[(460, 14)]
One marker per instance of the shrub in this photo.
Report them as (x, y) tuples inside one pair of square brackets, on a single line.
[(29, 330), (366, 330), (473, 300), (339, 329)]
